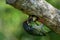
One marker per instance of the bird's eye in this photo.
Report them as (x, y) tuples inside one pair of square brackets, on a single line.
[(10, 1)]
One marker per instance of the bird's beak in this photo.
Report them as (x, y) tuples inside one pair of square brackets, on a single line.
[(10, 1)]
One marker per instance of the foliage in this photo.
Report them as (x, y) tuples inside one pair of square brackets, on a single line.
[(55, 3)]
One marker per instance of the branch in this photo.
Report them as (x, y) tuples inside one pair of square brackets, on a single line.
[(41, 9)]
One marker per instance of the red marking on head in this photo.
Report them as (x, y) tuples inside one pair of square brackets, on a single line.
[(41, 20)]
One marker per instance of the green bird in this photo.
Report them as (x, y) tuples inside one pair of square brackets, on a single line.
[(36, 28)]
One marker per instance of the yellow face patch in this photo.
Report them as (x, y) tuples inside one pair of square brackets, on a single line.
[(34, 18)]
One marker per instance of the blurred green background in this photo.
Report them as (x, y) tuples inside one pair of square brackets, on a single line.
[(11, 21)]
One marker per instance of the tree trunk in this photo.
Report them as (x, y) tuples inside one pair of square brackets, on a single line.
[(41, 9)]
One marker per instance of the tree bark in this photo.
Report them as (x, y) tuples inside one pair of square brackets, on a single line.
[(41, 9)]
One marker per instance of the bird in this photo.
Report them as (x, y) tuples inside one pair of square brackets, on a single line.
[(41, 9), (34, 28)]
